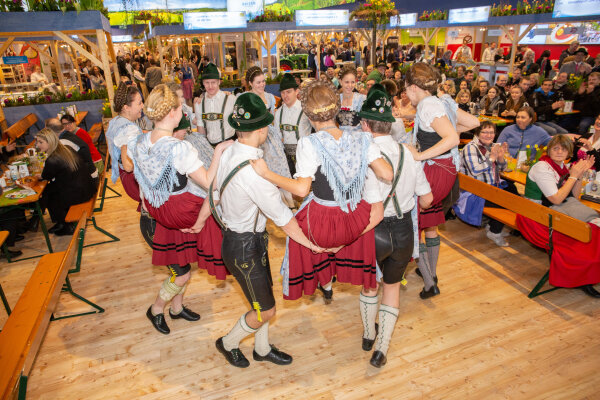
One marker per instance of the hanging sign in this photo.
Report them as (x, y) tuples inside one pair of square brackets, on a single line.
[(214, 20), (495, 32), (322, 17), (468, 15), (403, 20), (13, 60), (575, 8)]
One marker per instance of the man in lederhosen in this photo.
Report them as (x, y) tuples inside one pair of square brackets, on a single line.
[(214, 108)]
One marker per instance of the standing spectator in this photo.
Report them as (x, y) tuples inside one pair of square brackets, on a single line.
[(546, 103), (96, 79), (578, 66), (489, 53), (545, 64), (446, 60), (529, 66), (154, 76), (568, 52), (410, 52)]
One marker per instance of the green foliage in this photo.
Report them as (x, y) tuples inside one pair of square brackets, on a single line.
[(71, 96)]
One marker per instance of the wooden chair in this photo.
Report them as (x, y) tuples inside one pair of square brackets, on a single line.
[(513, 205), (25, 328), (21, 127)]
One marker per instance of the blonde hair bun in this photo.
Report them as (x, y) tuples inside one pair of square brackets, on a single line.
[(160, 102)]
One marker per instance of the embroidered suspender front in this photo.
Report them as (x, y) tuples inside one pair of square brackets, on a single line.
[(392, 195), (215, 117), (289, 127)]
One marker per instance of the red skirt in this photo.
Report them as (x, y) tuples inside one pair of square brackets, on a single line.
[(331, 227), (187, 86), (130, 184), (441, 177), (573, 263), (171, 246)]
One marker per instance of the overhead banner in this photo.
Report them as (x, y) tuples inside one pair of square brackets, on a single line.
[(404, 20), (556, 34), (468, 15), (13, 60), (122, 38), (322, 17), (214, 20), (252, 8), (575, 8)]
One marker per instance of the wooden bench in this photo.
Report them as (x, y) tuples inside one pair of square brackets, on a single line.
[(3, 237), (21, 127), (95, 132), (88, 208), (513, 205), (25, 328)]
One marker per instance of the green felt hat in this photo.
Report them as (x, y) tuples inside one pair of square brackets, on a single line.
[(211, 72), (249, 113), (184, 123), (374, 75), (378, 105), (287, 82)]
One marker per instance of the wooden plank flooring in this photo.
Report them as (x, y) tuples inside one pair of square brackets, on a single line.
[(482, 338)]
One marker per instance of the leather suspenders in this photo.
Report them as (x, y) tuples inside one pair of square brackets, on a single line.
[(392, 195), (288, 127), (215, 117)]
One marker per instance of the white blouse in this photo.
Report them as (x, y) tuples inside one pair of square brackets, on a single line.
[(429, 109)]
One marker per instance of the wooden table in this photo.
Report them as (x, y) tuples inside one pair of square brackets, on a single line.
[(559, 113), (498, 121), (519, 176), (33, 200), (80, 117)]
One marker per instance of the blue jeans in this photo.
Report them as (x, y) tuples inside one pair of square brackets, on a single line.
[(584, 125)]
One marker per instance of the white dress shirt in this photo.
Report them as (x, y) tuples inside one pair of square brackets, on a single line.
[(290, 117), (247, 193), (412, 179), (215, 105)]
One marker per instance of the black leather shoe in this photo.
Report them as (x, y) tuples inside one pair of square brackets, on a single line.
[(186, 314), (11, 253), (235, 357), (367, 344), (327, 294), (18, 238), (158, 321), (418, 271), (378, 359), (433, 291), (56, 227), (275, 356), (66, 230), (590, 291)]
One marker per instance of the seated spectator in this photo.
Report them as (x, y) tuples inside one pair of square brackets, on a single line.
[(596, 66), (534, 82), (523, 133), (516, 76), (551, 183), (463, 85), (545, 104), (529, 66), (449, 87), (484, 160), (69, 181), (545, 64), (68, 123), (402, 107), (587, 101), (515, 102), (562, 88), (501, 85), (491, 103), (480, 91), (578, 66), (589, 146), (463, 98)]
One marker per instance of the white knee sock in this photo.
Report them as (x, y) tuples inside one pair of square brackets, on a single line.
[(261, 340), (239, 331), (387, 320), (368, 313)]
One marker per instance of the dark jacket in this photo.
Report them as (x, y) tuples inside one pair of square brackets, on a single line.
[(588, 104), (542, 104)]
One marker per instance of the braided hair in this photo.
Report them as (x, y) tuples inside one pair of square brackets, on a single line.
[(319, 99), (423, 76), (160, 102), (124, 96)]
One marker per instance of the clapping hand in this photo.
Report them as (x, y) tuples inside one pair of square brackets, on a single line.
[(578, 169)]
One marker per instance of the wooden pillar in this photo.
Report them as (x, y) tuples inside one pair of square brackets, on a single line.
[(221, 55), (102, 47), (76, 66), (113, 56), (516, 37), (59, 72)]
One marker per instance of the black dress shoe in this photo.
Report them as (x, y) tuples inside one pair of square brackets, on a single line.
[(56, 227), (158, 321), (235, 357), (275, 356), (367, 344), (186, 314), (327, 294), (11, 253), (66, 230), (590, 291), (18, 238), (435, 279), (378, 359), (433, 291)]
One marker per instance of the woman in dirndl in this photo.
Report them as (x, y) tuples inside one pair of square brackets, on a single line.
[(164, 168), (435, 132), (333, 163), (351, 100), (187, 82), (273, 150)]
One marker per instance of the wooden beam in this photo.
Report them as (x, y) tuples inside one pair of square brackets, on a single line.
[(111, 52), (61, 79), (221, 55), (106, 67), (89, 43), (79, 49), (76, 66), (6, 44), (41, 52)]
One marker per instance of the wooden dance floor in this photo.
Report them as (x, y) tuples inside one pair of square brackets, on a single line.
[(482, 338)]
